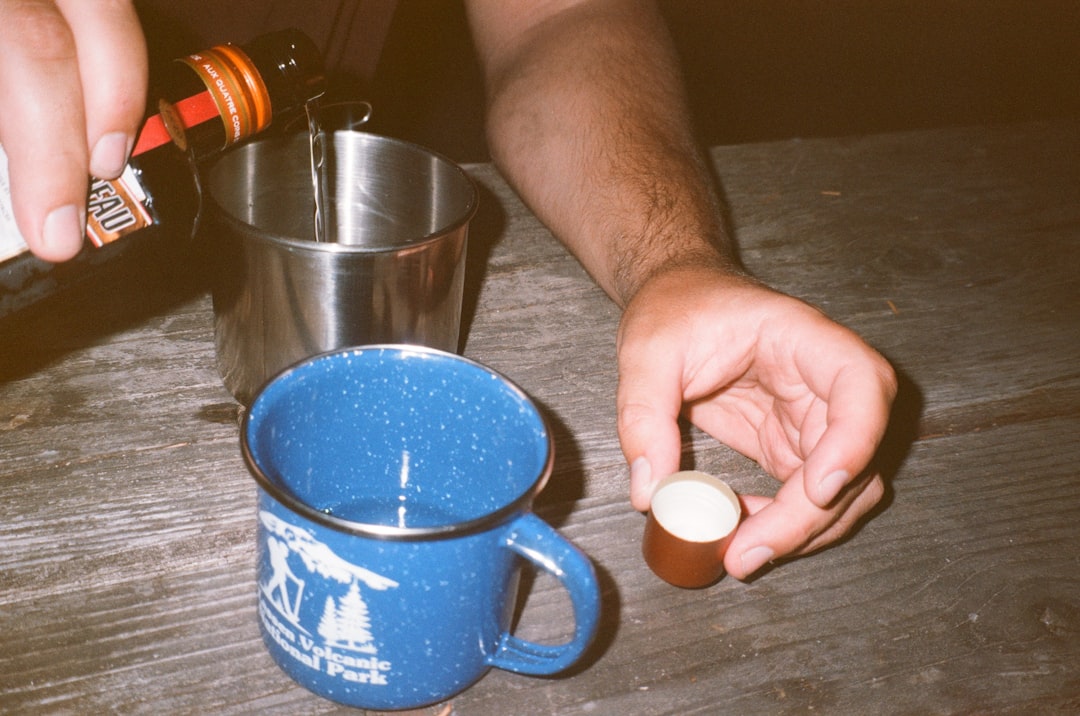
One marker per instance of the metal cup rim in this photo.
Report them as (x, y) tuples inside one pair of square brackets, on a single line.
[(219, 213)]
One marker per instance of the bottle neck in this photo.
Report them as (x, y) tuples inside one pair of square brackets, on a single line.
[(237, 93)]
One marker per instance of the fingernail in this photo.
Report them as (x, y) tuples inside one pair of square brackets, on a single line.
[(109, 155), (62, 232), (830, 486), (755, 558), (640, 470)]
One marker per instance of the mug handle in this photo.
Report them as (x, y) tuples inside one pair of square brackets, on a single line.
[(539, 543)]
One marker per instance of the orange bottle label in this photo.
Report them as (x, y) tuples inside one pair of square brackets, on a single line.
[(115, 208), (237, 89)]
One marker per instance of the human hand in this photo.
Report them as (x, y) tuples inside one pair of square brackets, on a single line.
[(769, 376), (72, 97)]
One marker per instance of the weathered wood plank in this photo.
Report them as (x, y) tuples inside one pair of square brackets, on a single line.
[(126, 560)]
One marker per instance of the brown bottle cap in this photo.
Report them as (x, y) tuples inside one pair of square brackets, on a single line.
[(690, 523)]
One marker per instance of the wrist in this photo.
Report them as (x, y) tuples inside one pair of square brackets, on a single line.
[(701, 267)]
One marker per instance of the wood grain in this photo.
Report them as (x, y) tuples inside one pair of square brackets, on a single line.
[(126, 545)]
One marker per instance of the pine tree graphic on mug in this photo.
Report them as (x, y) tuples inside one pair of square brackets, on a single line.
[(346, 622)]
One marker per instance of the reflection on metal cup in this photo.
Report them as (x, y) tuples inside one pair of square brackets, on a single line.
[(691, 521), (395, 273)]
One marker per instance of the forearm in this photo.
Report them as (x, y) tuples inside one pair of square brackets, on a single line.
[(588, 122)]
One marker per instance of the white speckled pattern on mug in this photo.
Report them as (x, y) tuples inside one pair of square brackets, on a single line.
[(396, 486)]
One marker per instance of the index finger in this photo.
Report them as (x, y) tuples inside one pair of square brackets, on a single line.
[(73, 87), (42, 127), (113, 67)]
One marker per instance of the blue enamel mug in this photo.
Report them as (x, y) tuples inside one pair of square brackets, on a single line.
[(394, 515)]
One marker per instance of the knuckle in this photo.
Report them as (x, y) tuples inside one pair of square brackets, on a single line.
[(889, 381), (871, 494), (39, 28), (632, 414), (819, 536), (874, 492)]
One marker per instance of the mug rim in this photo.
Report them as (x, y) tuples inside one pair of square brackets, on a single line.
[(285, 498), (220, 213)]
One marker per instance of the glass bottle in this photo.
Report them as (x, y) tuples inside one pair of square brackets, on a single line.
[(206, 102)]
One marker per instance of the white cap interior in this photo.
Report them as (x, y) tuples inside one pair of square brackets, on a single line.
[(696, 507)]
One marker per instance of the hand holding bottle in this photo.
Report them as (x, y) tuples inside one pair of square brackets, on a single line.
[(72, 97), (201, 104)]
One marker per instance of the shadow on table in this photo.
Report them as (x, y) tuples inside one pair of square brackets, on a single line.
[(486, 230), (902, 432), (554, 505), (117, 297)]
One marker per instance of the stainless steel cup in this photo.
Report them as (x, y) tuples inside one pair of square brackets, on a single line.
[(394, 274)]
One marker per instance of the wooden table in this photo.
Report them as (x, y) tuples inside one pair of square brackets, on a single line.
[(126, 542)]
